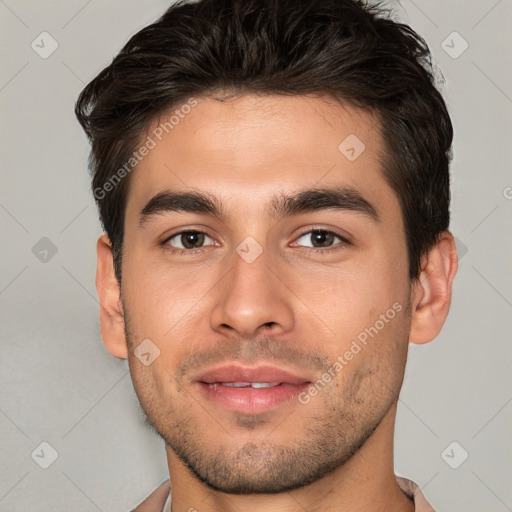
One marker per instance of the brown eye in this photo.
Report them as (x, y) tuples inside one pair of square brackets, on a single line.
[(320, 238), (188, 240)]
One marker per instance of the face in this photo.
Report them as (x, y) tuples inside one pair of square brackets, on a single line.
[(310, 293)]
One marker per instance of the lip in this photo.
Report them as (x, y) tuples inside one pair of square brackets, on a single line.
[(248, 400), (239, 373)]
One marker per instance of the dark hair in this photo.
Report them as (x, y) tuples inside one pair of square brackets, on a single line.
[(345, 49)]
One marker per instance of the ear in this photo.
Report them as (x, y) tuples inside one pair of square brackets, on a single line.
[(432, 291), (111, 307)]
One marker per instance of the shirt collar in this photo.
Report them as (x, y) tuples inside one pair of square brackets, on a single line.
[(410, 489)]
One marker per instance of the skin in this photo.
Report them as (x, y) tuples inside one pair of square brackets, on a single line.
[(291, 307)]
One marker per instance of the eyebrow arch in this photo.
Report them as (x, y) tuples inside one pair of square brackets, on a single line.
[(309, 200)]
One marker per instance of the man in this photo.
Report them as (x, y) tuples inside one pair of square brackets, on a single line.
[(272, 177)]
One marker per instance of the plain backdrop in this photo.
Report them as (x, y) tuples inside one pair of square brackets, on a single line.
[(58, 384)]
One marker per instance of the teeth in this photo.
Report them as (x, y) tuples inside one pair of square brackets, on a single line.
[(250, 384)]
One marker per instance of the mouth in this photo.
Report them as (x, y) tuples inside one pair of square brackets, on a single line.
[(257, 385), (250, 390)]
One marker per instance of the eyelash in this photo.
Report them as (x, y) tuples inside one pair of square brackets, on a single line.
[(315, 250)]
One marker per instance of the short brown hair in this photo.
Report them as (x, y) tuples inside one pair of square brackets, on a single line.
[(345, 49)]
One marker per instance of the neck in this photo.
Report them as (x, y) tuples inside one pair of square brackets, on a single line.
[(365, 483)]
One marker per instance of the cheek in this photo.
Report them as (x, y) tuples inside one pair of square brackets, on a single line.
[(367, 310), (384, 279), (154, 387), (350, 298), (164, 296)]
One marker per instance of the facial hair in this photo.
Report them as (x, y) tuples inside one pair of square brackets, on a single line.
[(353, 406)]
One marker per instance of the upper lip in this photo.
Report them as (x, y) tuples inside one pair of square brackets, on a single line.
[(239, 373)]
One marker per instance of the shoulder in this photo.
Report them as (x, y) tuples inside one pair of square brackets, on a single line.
[(156, 500)]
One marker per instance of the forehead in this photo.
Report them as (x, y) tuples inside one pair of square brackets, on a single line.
[(250, 149)]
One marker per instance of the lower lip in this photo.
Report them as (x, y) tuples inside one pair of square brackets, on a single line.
[(251, 400)]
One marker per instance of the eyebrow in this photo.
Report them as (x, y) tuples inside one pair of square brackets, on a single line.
[(309, 200)]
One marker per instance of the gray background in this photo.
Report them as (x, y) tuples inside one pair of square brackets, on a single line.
[(59, 385)]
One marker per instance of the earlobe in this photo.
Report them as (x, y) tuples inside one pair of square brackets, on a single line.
[(432, 292), (111, 307)]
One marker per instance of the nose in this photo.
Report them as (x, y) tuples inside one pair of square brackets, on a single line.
[(253, 299)]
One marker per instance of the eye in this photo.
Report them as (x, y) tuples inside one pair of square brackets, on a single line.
[(322, 240), (186, 241)]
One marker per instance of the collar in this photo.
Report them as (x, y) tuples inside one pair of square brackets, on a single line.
[(410, 489)]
